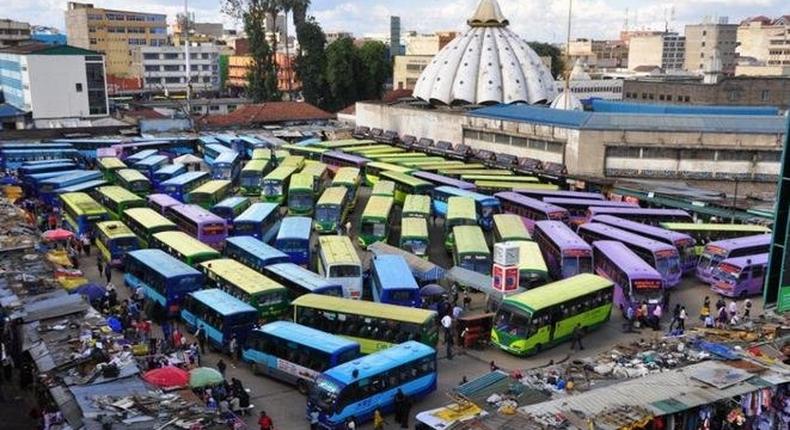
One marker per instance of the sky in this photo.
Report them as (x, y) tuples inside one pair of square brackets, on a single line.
[(541, 20)]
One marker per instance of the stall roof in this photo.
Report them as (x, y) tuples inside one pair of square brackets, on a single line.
[(54, 307), (423, 270), (84, 394)]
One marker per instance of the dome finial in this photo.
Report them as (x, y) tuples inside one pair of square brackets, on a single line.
[(488, 14)]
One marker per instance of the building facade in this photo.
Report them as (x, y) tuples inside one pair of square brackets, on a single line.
[(664, 50), (407, 69), (395, 46), (239, 67), (114, 33), (764, 46), (599, 54), (163, 68), (708, 42), (737, 91), (13, 32)]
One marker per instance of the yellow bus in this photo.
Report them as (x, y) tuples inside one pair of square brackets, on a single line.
[(372, 171), (210, 193), (184, 247), (118, 199), (114, 239), (109, 166), (376, 220), (81, 212), (508, 227), (532, 267), (146, 222), (264, 294), (339, 263)]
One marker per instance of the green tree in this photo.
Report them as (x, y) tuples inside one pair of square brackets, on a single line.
[(548, 50), (342, 70), (311, 62), (223, 70), (376, 69)]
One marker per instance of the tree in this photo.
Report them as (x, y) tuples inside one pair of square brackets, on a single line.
[(376, 69), (342, 70), (311, 62), (548, 50), (288, 6), (299, 8)]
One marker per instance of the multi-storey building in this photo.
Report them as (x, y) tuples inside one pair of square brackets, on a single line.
[(420, 49), (664, 50), (764, 46), (599, 54), (239, 68), (163, 68), (13, 32), (708, 41)]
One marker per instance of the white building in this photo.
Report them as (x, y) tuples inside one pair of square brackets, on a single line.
[(163, 68), (664, 50)]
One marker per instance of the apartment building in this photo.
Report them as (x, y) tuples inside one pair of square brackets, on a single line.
[(12, 32), (764, 46), (163, 68), (708, 41), (664, 50)]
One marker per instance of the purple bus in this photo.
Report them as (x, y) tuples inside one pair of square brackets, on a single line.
[(634, 280), (440, 180), (541, 194), (663, 257), (200, 223), (645, 216), (566, 254), (741, 276), (683, 242), (160, 203), (716, 252), (341, 159), (531, 210), (577, 208)]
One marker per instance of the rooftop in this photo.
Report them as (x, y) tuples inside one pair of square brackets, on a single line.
[(38, 48), (268, 113)]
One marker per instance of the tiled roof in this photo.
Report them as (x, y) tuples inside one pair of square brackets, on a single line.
[(395, 95), (269, 113), (349, 110), (144, 113)]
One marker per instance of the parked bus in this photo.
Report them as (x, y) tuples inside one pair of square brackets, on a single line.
[(341, 159), (383, 188), (741, 276), (486, 206), (409, 368), (661, 256), (167, 172), (645, 216), (344, 144), (531, 210), (391, 282), (414, 237), (348, 177), (339, 262), (230, 208), (251, 176), (108, 166), (113, 240), (293, 238), (499, 178), (202, 141), (301, 199), (262, 154), (221, 315), (375, 326), (12, 159), (81, 212), (331, 210), (47, 188), (540, 194), (247, 285), (275, 184), (509, 227), (436, 167), (706, 233), (417, 206), (308, 152), (566, 254), (457, 172), (296, 354), (376, 220), (181, 185), (253, 253), (406, 184), (47, 166), (577, 208), (117, 199), (165, 280), (227, 166), (374, 149), (716, 252), (635, 281), (148, 166), (320, 174), (160, 203), (460, 211), (210, 193), (532, 269), (31, 183), (144, 222), (260, 220), (537, 319), (212, 151), (200, 223), (140, 156), (441, 180), (84, 187), (300, 281), (133, 181), (493, 187), (184, 247), (373, 171), (470, 250)]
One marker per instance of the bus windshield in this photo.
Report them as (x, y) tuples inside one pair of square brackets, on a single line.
[(290, 245), (325, 393), (326, 213), (343, 271), (416, 246), (668, 266), (374, 228), (648, 290), (575, 265)]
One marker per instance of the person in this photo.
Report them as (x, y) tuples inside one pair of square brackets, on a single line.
[(447, 324), (234, 347), (682, 319), (108, 273), (378, 420), (657, 313), (221, 366), (747, 309), (722, 318), (348, 228), (629, 320), (705, 312), (265, 422), (449, 345), (454, 293), (467, 301), (86, 244), (200, 334), (457, 311), (492, 366), (314, 420), (576, 337), (235, 406), (675, 317), (709, 321), (99, 264), (733, 308), (351, 424), (402, 409), (720, 303)]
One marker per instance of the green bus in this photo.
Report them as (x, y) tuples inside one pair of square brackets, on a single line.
[(509, 227), (341, 145), (146, 222), (470, 250), (435, 167), (529, 322), (117, 199), (280, 155), (261, 154), (301, 199), (363, 151), (498, 178), (275, 184), (331, 210), (493, 187), (399, 156), (417, 163), (210, 193), (320, 173), (705, 233), (414, 236), (460, 211), (376, 220), (456, 173), (416, 206), (293, 160), (113, 240), (406, 184), (383, 188), (252, 176), (81, 212), (133, 180), (264, 294), (308, 152), (374, 169), (184, 247), (532, 269), (348, 177), (109, 166)]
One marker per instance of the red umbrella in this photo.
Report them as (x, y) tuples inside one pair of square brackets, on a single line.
[(57, 234), (168, 376)]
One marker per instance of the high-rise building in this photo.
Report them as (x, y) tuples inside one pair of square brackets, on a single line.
[(163, 68), (114, 33), (664, 50), (711, 42), (764, 46), (13, 32), (395, 47)]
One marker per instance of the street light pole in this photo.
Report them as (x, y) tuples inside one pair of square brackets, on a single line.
[(735, 200)]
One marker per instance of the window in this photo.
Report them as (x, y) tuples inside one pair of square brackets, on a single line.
[(97, 95), (157, 30), (204, 56), (150, 56), (172, 68), (153, 80), (172, 80), (205, 67), (206, 79), (171, 56), (765, 95), (78, 87), (152, 68)]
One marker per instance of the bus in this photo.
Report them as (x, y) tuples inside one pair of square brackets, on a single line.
[(344, 144), (741, 276), (414, 237), (210, 193), (331, 210), (460, 211), (251, 176), (635, 281), (683, 242), (144, 222), (441, 180), (375, 326), (133, 181), (165, 280), (661, 256), (470, 250), (108, 166), (81, 212), (47, 166), (457, 172), (84, 187), (300, 281), (293, 161), (167, 172), (376, 220), (184, 247), (160, 203), (231, 141), (247, 285), (532, 269), (181, 185), (566, 254), (486, 206), (301, 199), (261, 154), (32, 182), (577, 208), (221, 315), (537, 319), (296, 354), (113, 240), (200, 223), (406, 184), (227, 166), (275, 185), (320, 174), (260, 220), (645, 216), (308, 152), (716, 252), (230, 208), (706, 233), (436, 167), (416, 206), (540, 194), (531, 210), (499, 178), (374, 149), (509, 227), (374, 169), (348, 177), (202, 141), (399, 157), (212, 151), (253, 253), (339, 263), (493, 187), (11, 159), (117, 199), (409, 368), (383, 188), (293, 238), (47, 187), (140, 156), (341, 159), (391, 282), (148, 166)]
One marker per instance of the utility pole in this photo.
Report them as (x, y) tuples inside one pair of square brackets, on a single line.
[(735, 201), (185, 33), (566, 100)]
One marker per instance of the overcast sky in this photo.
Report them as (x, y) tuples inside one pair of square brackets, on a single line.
[(543, 20)]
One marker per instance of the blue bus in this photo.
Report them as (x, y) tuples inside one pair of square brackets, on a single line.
[(30, 183), (359, 387), (230, 208), (202, 141), (485, 205), (12, 159), (253, 253), (231, 141), (43, 162), (251, 143), (167, 172), (301, 281), (46, 167), (139, 156), (85, 187), (296, 354), (181, 185), (227, 166), (392, 282), (212, 151), (165, 279), (260, 220), (149, 165), (220, 315), (47, 187), (294, 238)]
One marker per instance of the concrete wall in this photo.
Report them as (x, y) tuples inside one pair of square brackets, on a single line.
[(732, 91), (645, 51), (704, 39), (436, 125), (53, 86)]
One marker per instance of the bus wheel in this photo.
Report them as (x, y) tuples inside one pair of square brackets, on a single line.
[(301, 385)]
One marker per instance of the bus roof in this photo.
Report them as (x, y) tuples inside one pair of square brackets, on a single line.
[(307, 336), (593, 211), (644, 229), (414, 227), (365, 308), (627, 260), (417, 203), (232, 202), (256, 165), (257, 212), (280, 173), (373, 364), (390, 167), (248, 280), (149, 218), (444, 180), (564, 194), (114, 229), (301, 181), (143, 154), (314, 168), (163, 263), (164, 200), (170, 169), (119, 194), (453, 171), (480, 198), (212, 186), (378, 207), (185, 244), (562, 235), (461, 208), (85, 175), (338, 250), (346, 175), (300, 275), (356, 159), (383, 188), (742, 262), (222, 302), (130, 175), (295, 227), (83, 202), (530, 202), (499, 178), (293, 160), (470, 239), (184, 178), (392, 271), (219, 148), (511, 226), (111, 163), (332, 196), (505, 185), (626, 237), (227, 157), (256, 247), (197, 213), (530, 256), (558, 292), (84, 186), (693, 227), (756, 240), (342, 143), (150, 161), (559, 201), (305, 149), (405, 179)]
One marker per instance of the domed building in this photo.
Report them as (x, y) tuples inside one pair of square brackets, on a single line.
[(488, 64)]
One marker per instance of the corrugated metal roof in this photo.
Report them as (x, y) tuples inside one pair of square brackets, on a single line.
[(54, 307), (601, 106), (84, 394), (520, 112)]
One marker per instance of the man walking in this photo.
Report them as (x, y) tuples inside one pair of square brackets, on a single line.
[(682, 319), (108, 273), (576, 338), (200, 334), (675, 317)]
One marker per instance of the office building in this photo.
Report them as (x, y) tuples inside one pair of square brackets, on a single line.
[(395, 46), (13, 32), (599, 54), (163, 68), (661, 50), (764, 47), (200, 32), (711, 43), (420, 49)]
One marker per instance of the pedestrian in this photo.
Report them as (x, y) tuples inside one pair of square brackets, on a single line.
[(399, 406), (467, 301), (720, 303), (406, 412), (200, 334), (348, 228), (99, 264), (675, 317), (447, 324), (722, 318), (747, 309), (221, 366), (108, 273), (314, 423), (733, 308), (657, 313), (705, 312), (709, 321), (351, 424), (576, 337), (265, 422), (492, 366), (454, 293), (233, 347), (449, 348), (86, 244), (682, 319), (629, 319), (378, 420), (7, 363)]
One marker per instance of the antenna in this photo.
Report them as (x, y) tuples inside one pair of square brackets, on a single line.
[(625, 24), (568, 54)]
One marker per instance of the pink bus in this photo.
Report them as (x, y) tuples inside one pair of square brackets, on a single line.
[(531, 210), (199, 223), (741, 276)]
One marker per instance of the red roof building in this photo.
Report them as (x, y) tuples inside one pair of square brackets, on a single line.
[(268, 113)]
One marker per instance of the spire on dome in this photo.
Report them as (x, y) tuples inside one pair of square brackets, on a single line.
[(488, 14)]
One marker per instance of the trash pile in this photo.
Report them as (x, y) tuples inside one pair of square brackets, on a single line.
[(153, 409), (15, 231)]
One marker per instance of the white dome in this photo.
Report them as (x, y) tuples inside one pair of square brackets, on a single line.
[(578, 73), (566, 100), (487, 64)]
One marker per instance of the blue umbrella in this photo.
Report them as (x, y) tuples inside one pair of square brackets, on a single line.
[(91, 291)]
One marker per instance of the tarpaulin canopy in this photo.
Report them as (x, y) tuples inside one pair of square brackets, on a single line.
[(169, 376), (432, 290), (91, 291), (57, 234)]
